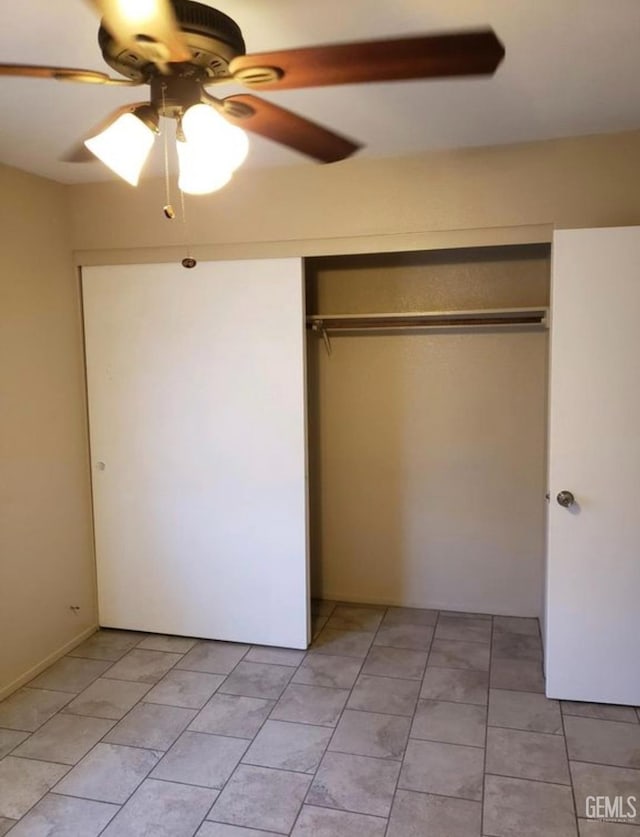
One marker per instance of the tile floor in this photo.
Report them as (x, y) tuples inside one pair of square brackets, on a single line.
[(396, 723)]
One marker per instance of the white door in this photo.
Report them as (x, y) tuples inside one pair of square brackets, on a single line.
[(196, 384), (593, 571)]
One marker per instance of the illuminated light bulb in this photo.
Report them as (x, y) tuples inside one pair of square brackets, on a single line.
[(124, 146), (204, 126), (200, 171), (135, 11)]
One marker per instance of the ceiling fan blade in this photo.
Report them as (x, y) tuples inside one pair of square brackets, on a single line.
[(283, 126), (63, 74), (429, 56), (79, 153), (150, 27)]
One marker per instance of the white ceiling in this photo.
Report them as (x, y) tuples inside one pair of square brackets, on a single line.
[(572, 67)]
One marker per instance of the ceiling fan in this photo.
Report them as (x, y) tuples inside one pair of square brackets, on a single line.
[(181, 48)]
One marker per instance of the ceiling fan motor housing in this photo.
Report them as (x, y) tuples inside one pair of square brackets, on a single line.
[(213, 37)]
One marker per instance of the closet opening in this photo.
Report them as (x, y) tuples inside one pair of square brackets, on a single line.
[(427, 394)]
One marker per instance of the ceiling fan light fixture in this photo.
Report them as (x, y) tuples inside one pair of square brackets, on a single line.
[(200, 171), (124, 146), (205, 128)]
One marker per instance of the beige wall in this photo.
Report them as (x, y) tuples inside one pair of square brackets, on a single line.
[(485, 195), (45, 533), (427, 451), (474, 196)]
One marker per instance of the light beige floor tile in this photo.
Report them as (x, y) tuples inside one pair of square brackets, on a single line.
[(395, 662), (522, 808), (107, 698), (27, 709), (602, 711), (288, 746), (517, 675), (190, 689), (323, 822), (410, 616), (590, 828), (516, 625), (516, 647), (161, 642), (452, 723), (423, 815), (9, 740), (70, 674), (371, 734), (107, 645), (62, 815), (443, 769), (326, 670), (458, 685), (342, 643), (259, 680), (310, 705), (527, 755), (353, 618), (258, 797), (275, 656), (388, 695), (213, 657), (524, 710), (162, 809), (109, 773), (450, 653), (232, 715), (141, 666), (417, 637), (605, 742), (199, 758), (151, 725), (219, 829), (358, 784), (64, 738), (595, 780), (23, 782), (466, 630)]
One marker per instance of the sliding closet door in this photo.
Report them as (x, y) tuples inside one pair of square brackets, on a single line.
[(198, 443)]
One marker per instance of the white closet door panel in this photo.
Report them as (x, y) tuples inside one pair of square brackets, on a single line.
[(593, 563), (198, 440)]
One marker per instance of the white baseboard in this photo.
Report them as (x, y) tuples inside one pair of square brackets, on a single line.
[(34, 671)]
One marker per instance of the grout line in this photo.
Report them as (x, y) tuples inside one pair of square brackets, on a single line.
[(251, 740), (601, 764), (566, 750), (340, 716), (530, 779), (486, 728), (413, 717), (592, 718), (523, 729)]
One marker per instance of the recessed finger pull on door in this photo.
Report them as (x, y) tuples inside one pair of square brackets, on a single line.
[(566, 499)]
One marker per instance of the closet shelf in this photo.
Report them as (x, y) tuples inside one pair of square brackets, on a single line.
[(487, 317)]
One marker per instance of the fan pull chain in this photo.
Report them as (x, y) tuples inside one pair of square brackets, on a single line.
[(188, 261), (169, 211)]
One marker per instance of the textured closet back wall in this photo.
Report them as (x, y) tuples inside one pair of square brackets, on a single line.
[(427, 450)]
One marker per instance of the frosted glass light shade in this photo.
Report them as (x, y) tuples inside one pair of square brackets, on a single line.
[(124, 146), (200, 171), (202, 125)]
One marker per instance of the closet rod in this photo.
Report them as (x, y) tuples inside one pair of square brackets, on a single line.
[(429, 319)]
